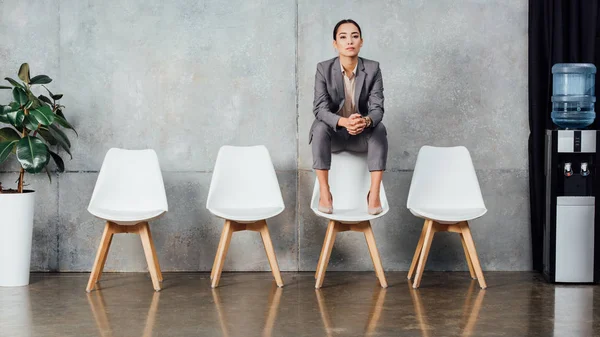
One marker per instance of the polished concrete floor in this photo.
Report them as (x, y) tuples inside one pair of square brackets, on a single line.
[(250, 304)]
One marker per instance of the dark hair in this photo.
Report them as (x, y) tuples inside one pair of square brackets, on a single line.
[(337, 26)]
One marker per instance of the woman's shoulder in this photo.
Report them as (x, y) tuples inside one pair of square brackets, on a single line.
[(327, 63), (370, 64)]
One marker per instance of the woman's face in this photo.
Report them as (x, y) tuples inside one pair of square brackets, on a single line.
[(348, 41)]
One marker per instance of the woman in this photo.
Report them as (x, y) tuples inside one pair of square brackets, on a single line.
[(348, 106)]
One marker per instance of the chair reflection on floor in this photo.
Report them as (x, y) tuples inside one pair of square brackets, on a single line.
[(471, 320), (272, 305), (372, 320), (98, 307)]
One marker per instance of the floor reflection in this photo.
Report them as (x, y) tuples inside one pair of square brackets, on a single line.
[(270, 315), (98, 308), (377, 300), (519, 304), (15, 312), (470, 310), (573, 311)]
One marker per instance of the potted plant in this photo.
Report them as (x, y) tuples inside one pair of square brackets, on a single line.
[(33, 127)]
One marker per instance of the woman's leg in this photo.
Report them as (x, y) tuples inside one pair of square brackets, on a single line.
[(374, 200), (321, 139), (377, 144), (323, 177)]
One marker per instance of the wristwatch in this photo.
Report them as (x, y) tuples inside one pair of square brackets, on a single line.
[(368, 121)]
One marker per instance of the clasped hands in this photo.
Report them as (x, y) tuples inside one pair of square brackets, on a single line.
[(355, 124)]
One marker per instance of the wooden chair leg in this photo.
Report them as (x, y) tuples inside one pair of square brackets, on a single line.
[(328, 247), (320, 256), (469, 263), (103, 262), (266, 237), (146, 238), (466, 232), (154, 255), (100, 256), (370, 237), (415, 259), (424, 253), (222, 253), (221, 242)]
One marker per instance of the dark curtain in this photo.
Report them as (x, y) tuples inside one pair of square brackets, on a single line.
[(559, 31)]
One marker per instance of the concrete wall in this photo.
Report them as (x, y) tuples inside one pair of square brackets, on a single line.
[(186, 77)]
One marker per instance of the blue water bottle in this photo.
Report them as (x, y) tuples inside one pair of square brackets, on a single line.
[(573, 91)]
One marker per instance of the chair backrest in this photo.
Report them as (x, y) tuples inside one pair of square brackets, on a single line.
[(244, 177), (130, 180), (444, 177), (349, 182)]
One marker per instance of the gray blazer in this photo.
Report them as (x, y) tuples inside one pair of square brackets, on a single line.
[(329, 91)]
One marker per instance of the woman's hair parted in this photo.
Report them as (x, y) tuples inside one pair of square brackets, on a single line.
[(337, 26)]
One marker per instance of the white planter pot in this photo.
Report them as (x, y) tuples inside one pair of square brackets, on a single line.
[(16, 230)]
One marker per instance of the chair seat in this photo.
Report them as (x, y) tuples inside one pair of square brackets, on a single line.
[(126, 217), (349, 215), (246, 214), (449, 215)]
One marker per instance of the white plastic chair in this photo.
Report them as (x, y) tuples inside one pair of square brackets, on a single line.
[(245, 192), (349, 183), (445, 192), (129, 192)]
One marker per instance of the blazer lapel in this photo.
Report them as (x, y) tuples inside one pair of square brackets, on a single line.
[(360, 81), (339, 81)]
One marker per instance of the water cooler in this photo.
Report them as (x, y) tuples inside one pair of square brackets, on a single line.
[(571, 238)]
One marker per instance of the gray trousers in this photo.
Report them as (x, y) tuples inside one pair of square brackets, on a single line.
[(325, 140)]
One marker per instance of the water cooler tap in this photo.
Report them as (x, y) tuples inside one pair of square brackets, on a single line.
[(584, 169), (568, 171)]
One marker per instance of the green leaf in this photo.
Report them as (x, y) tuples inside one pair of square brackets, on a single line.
[(13, 82), (40, 79), (45, 99), (60, 119), (57, 97), (48, 90), (7, 134), (60, 164), (14, 106), (33, 154), (61, 139), (47, 136), (35, 102), (5, 87), (24, 73), (16, 118), (59, 135), (3, 111), (6, 148), (20, 96), (31, 123), (42, 115)]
